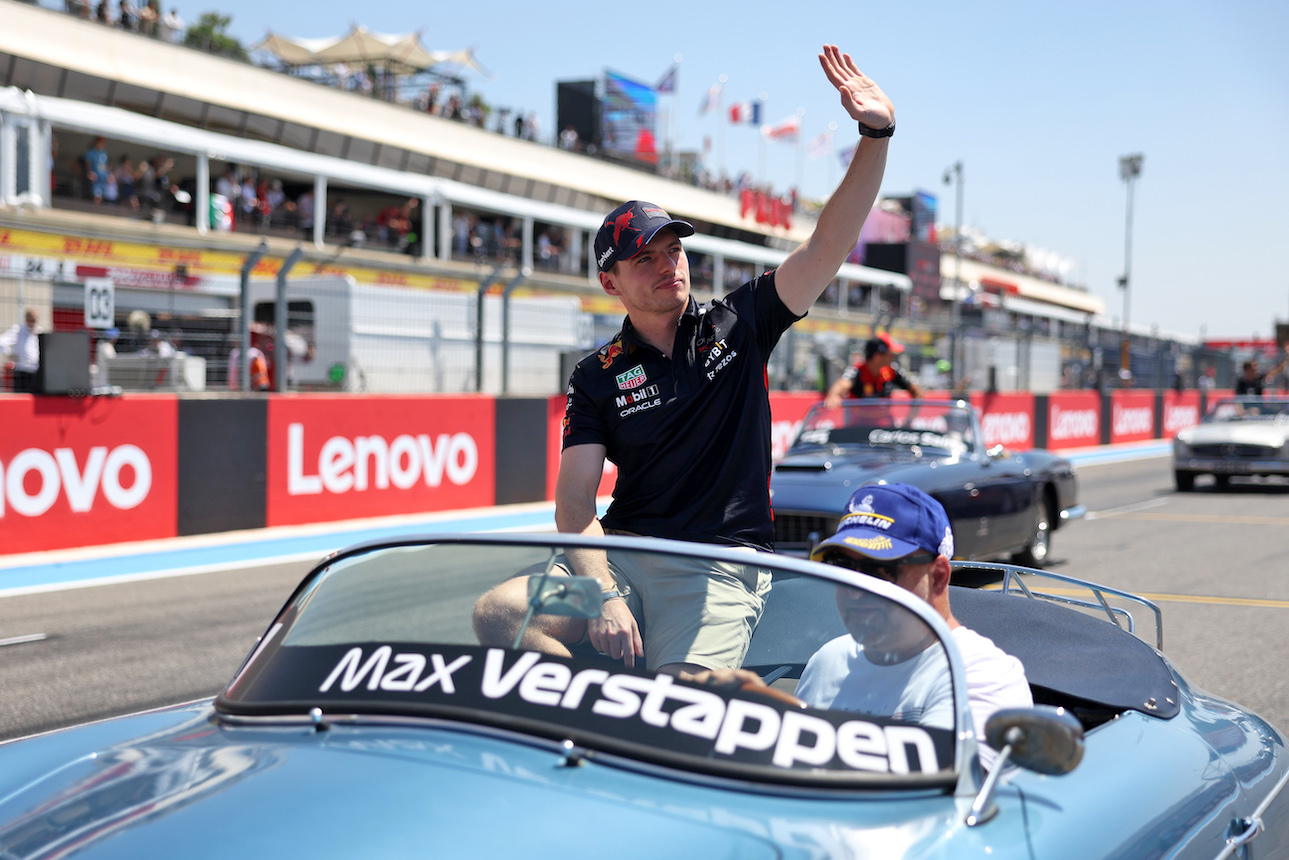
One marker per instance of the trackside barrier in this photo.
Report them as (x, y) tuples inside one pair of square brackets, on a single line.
[(97, 470)]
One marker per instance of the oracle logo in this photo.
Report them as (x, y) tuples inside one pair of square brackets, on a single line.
[(1073, 423), (1133, 421), (59, 473), (1180, 416), (364, 462), (1006, 428)]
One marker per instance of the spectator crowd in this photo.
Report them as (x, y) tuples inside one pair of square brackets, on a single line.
[(147, 19)]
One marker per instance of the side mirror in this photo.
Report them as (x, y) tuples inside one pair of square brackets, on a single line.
[(1042, 739)]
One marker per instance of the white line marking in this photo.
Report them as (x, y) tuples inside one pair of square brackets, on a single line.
[(1127, 509), (18, 640)]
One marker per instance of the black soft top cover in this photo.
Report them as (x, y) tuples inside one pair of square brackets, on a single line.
[(1070, 653)]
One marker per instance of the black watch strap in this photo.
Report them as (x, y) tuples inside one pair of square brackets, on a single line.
[(866, 131)]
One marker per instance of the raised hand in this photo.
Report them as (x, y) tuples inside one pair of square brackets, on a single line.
[(862, 99)]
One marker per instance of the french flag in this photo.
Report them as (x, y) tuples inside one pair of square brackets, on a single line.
[(748, 113)]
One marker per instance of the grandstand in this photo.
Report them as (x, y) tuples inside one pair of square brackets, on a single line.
[(395, 199)]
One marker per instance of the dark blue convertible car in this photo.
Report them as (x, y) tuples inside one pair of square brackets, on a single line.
[(1002, 504)]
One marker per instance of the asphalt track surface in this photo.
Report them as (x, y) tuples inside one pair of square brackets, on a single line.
[(93, 633)]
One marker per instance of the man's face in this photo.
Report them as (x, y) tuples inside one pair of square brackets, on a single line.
[(655, 281), (881, 359), (886, 630), (31, 320), (1251, 369)]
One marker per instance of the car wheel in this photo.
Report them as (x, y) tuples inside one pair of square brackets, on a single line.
[(1040, 543), (1185, 481)]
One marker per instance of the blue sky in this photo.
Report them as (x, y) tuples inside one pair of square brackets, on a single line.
[(1038, 100)]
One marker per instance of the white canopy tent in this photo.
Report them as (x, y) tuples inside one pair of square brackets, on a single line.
[(399, 53)]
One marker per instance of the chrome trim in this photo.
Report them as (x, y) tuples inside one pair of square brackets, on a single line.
[(1013, 585), (1077, 512), (1254, 820)]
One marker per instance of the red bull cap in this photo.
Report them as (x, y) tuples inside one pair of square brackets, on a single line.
[(627, 229)]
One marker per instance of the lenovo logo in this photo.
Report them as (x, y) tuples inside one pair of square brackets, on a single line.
[(367, 462), (1006, 428), (1133, 421), (35, 479), (1074, 424)]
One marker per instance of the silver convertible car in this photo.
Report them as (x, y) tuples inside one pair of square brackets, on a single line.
[(370, 722), (1243, 436)]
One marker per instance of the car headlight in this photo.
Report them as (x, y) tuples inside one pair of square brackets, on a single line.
[(1180, 448)]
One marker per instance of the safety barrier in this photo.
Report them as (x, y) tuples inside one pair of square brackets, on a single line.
[(95, 470)]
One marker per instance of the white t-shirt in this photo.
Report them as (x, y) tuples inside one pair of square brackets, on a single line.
[(918, 690), (839, 676)]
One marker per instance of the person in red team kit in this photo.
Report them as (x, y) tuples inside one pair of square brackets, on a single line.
[(875, 376), (678, 401)]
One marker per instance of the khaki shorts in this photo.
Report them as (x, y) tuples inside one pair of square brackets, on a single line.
[(689, 610)]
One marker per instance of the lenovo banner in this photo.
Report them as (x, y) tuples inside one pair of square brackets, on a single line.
[(554, 446), (85, 471), (1006, 419), (787, 410), (1132, 416), (333, 458), (1073, 419), (1181, 410)]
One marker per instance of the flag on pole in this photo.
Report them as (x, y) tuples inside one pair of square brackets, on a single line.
[(667, 84), (711, 99), (745, 113), (819, 146), (786, 130)]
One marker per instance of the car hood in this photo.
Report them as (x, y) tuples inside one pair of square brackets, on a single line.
[(850, 467), (204, 789), (1237, 433)]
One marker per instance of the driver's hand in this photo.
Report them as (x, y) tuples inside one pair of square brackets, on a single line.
[(745, 680), (832, 401), (732, 678), (615, 633)]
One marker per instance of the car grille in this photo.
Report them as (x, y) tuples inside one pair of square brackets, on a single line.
[(795, 530), (1232, 451)]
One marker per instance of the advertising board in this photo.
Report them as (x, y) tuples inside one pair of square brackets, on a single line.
[(333, 458), (86, 470)]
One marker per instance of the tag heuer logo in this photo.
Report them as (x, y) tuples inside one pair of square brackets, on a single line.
[(633, 378)]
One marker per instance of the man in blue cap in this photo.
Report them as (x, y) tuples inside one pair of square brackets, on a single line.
[(678, 400), (899, 534)]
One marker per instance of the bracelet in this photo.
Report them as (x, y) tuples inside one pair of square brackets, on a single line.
[(609, 595), (867, 131)]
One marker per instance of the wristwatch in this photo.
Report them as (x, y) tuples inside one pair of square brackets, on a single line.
[(867, 131), (609, 595)]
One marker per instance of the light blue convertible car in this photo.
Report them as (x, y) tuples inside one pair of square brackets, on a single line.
[(370, 722)]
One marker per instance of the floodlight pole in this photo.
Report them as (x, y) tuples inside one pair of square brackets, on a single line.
[(244, 357), (484, 285), (954, 174), (522, 275), (281, 354), (1129, 170)]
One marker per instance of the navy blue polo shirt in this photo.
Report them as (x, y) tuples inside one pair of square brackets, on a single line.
[(690, 434)]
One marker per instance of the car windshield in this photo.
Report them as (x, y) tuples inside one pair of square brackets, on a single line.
[(1274, 410), (858, 689), (925, 424)]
